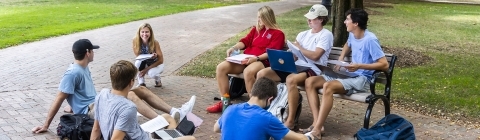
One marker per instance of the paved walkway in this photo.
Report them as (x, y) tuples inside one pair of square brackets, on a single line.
[(31, 73)]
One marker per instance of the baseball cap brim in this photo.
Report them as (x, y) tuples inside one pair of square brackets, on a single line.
[(310, 15), (95, 47)]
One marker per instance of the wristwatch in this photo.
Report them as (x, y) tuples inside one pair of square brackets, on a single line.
[(258, 58)]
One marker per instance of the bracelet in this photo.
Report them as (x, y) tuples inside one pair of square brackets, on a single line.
[(308, 137), (234, 47)]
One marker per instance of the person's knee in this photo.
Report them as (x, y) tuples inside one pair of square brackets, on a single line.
[(132, 96), (292, 80), (222, 68), (309, 83), (262, 73), (328, 88), (250, 72)]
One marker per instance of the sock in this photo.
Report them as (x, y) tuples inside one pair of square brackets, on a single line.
[(173, 110)]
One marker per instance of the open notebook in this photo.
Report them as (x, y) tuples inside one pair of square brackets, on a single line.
[(160, 123)]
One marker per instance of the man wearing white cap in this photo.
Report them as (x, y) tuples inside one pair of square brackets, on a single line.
[(315, 44)]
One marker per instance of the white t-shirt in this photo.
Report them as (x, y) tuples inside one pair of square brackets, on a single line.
[(311, 41)]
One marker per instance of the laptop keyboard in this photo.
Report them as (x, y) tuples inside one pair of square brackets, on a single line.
[(173, 133)]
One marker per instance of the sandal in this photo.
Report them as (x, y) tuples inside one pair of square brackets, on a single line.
[(309, 129), (158, 83), (304, 131), (309, 134)]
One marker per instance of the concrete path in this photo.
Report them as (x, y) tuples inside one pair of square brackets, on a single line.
[(30, 73)]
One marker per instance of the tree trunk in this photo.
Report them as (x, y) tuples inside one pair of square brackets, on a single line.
[(339, 7)]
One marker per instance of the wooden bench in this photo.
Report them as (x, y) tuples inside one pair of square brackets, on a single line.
[(379, 77)]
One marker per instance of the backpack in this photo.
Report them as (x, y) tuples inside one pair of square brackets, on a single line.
[(391, 127), (279, 105), (236, 87), (75, 127)]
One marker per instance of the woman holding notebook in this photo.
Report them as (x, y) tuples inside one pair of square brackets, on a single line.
[(265, 35), (145, 44)]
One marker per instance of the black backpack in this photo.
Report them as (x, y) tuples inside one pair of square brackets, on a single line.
[(75, 127), (236, 87)]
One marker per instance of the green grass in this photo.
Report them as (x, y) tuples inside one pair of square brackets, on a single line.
[(447, 32), (30, 20)]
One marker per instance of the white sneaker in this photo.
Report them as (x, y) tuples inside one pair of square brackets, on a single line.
[(187, 107)]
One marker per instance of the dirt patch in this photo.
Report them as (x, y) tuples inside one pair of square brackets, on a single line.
[(407, 57)]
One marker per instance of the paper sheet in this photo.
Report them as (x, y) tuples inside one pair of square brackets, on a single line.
[(339, 63), (296, 51), (154, 124)]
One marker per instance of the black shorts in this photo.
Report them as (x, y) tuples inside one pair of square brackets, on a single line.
[(283, 75)]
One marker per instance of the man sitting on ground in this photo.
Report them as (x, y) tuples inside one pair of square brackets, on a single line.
[(77, 87), (115, 115), (252, 121)]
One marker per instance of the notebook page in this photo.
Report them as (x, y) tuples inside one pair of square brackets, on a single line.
[(154, 124)]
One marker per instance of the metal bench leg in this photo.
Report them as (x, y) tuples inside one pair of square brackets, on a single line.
[(366, 121)]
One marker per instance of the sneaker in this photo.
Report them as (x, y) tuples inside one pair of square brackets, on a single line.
[(187, 107), (142, 84), (158, 83), (215, 108)]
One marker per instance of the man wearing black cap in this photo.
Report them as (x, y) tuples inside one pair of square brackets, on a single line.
[(76, 85)]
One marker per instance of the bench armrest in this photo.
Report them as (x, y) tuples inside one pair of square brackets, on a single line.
[(373, 82)]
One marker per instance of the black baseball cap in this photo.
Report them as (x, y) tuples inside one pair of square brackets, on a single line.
[(82, 45)]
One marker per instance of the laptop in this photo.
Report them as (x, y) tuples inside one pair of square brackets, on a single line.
[(185, 127), (336, 74), (283, 61)]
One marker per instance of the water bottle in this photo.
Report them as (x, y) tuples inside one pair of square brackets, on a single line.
[(225, 101)]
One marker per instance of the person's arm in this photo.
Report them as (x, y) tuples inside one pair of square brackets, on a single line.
[(238, 46), (323, 43), (158, 54), (96, 132), (118, 135), (345, 51), (51, 113), (295, 136), (381, 64), (277, 42), (248, 39), (312, 55), (216, 128)]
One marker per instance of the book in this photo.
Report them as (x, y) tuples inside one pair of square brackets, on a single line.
[(142, 57), (154, 124), (296, 51), (239, 59)]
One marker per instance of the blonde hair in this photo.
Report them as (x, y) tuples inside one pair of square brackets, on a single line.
[(137, 41), (268, 18)]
